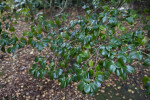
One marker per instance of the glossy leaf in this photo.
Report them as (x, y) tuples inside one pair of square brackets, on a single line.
[(97, 83), (12, 29), (100, 78), (147, 62), (91, 63), (129, 69), (87, 88), (81, 86), (145, 80), (93, 87), (102, 27), (130, 20)]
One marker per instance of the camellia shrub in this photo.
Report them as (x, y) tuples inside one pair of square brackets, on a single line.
[(101, 45)]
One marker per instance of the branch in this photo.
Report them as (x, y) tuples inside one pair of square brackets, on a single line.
[(32, 15), (120, 4), (46, 2), (31, 11)]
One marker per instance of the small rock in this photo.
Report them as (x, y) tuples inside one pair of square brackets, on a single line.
[(22, 68), (102, 91), (119, 87), (27, 93), (123, 97), (129, 90)]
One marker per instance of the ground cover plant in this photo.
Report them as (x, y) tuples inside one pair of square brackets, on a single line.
[(87, 51)]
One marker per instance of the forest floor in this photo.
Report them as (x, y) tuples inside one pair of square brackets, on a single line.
[(17, 84)]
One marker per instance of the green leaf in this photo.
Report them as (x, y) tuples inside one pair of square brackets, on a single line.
[(62, 64), (145, 80), (63, 84), (86, 74), (146, 10), (102, 27), (12, 29), (91, 63), (87, 39), (133, 54), (25, 33), (52, 64), (91, 72), (59, 72), (87, 80), (102, 47), (146, 27), (30, 40), (38, 29), (9, 49), (36, 74), (3, 49), (129, 69), (34, 66), (148, 45), (131, 46), (58, 22), (130, 20), (117, 72), (108, 47), (51, 75), (147, 86), (97, 68), (31, 71), (39, 46), (147, 62), (7, 26), (88, 11), (33, 43), (113, 21), (123, 76), (87, 88), (111, 66), (140, 56), (93, 87), (87, 54), (104, 19), (138, 34), (104, 52), (30, 34), (143, 41), (97, 83), (36, 59), (42, 64), (148, 18), (45, 40), (122, 60), (148, 34), (106, 8), (79, 59), (42, 73), (81, 86), (100, 78), (121, 28), (23, 40), (39, 36)]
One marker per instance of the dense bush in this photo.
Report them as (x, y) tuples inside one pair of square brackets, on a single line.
[(89, 54)]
